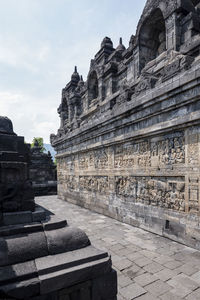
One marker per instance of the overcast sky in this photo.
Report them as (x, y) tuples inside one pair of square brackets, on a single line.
[(40, 43)]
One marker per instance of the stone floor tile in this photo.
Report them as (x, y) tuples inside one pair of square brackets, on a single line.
[(166, 274), (143, 261), (124, 280), (149, 247), (133, 248), (132, 291), (187, 269), (109, 240), (147, 296), (145, 279), (124, 252), (153, 268), (115, 258), (158, 288), (196, 277), (170, 296), (180, 292), (164, 251), (124, 242), (173, 264), (183, 280), (181, 257), (133, 271), (194, 295), (149, 254), (162, 259), (122, 264), (138, 242), (134, 256), (126, 246), (116, 247)]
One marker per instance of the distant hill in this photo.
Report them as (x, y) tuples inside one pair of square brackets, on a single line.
[(48, 147)]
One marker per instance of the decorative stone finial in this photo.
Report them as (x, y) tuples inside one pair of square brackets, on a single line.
[(81, 82), (107, 42), (75, 76), (120, 47)]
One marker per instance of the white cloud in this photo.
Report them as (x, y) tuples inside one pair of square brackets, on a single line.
[(19, 54), (43, 53), (31, 118)]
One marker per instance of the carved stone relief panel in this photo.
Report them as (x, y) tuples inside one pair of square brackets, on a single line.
[(124, 156), (129, 155), (101, 159), (166, 192), (71, 182), (97, 159), (172, 151), (94, 183), (144, 154), (166, 151), (83, 161)]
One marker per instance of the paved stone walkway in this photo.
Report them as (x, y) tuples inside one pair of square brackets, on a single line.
[(149, 267)]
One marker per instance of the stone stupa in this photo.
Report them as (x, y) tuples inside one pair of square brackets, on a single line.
[(42, 171), (41, 257)]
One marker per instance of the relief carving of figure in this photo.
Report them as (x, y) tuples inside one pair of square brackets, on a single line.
[(152, 191), (101, 159), (162, 41)]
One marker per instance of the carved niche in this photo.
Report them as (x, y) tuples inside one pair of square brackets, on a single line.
[(93, 88), (152, 37)]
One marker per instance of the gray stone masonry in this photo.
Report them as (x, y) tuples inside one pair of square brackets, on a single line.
[(149, 267), (128, 145)]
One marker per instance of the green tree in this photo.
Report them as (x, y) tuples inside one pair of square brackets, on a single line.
[(39, 141)]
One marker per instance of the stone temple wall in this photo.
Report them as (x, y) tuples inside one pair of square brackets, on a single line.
[(129, 141)]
